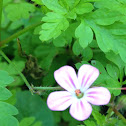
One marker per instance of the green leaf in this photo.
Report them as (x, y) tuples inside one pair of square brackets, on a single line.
[(98, 117), (64, 39), (117, 28), (55, 24), (13, 72), (12, 99), (122, 1), (67, 117), (43, 51), (16, 11), (59, 41), (84, 33), (5, 2), (58, 62), (10, 68), (103, 38), (64, 4), (105, 79), (87, 54), (3, 18), (107, 41), (77, 49), (72, 14), (68, 34), (7, 109), (32, 105), (57, 116), (82, 7), (111, 83), (4, 93), (78, 65), (38, 123), (100, 56), (105, 16), (116, 59), (113, 71), (112, 122), (5, 79), (93, 44), (89, 123), (38, 2), (8, 120), (91, 0), (46, 54), (28, 121), (69, 4), (117, 6), (121, 123), (103, 74), (54, 5)]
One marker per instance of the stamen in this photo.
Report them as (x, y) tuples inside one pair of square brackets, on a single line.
[(78, 93)]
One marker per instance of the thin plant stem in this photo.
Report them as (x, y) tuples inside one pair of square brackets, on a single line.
[(119, 115), (16, 35), (31, 88), (1, 8), (124, 88), (47, 88), (16, 68)]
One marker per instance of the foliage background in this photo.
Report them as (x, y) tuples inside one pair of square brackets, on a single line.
[(54, 33)]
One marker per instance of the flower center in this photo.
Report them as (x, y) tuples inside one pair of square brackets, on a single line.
[(78, 93)]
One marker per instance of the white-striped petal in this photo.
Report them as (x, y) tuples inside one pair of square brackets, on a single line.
[(66, 77), (98, 96), (80, 110), (87, 74), (59, 100)]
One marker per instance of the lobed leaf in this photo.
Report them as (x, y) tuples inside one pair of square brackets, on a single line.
[(105, 79), (82, 8), (105, 17), (28, 121), (5, 79), (117, 5), (87, 54), (107, 41), (7, 109), (98, 117), (8, 120), (54, 5), (13, 72), (113, 71), (89, 123), (4, 93), (16, 11), (117, 28), (77, 49), (84, 33), (55, 24), (116, 59)]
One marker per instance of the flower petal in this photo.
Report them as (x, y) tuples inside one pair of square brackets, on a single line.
[(66, 78), (87, 74), (80, 110), (59, 100), (98, 96)]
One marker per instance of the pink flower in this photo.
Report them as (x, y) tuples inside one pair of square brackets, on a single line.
[(78, 95)]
